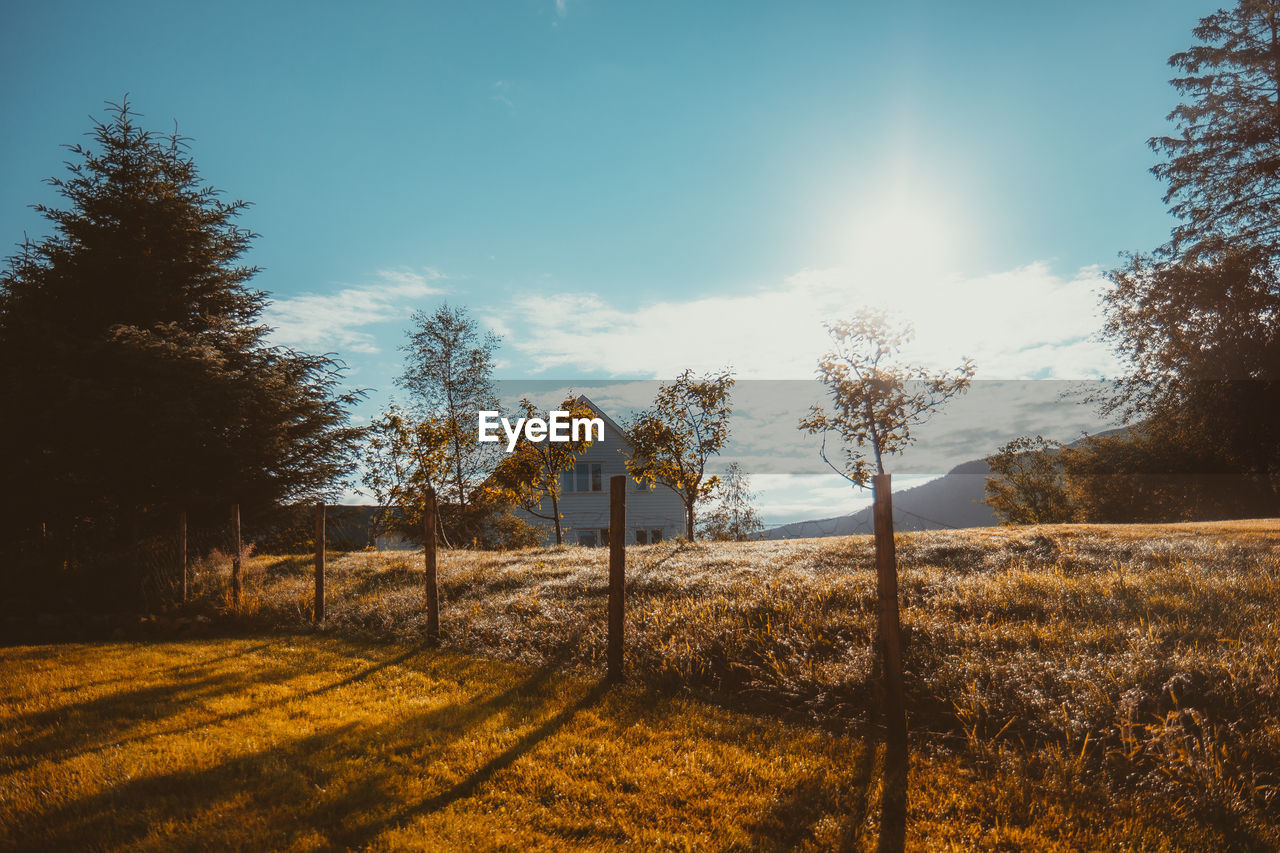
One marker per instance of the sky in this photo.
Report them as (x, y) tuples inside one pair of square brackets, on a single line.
[(625, 190)]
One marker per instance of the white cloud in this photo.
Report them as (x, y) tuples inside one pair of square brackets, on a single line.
[(335, 321), (1023, 323)]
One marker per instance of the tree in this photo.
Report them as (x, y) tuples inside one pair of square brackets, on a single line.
[(449, 377), (1222, 163), (734, 518), (672, 440), (131, 343), (529, 475), (1027, 483), (876, 401), (406, 458), (1199, 319)]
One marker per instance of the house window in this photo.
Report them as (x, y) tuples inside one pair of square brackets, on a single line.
[(648, 535), (594, 538), (641, 485), (583, 477)]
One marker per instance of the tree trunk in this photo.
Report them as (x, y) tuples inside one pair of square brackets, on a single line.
[(688, 520), (893, 804), (555, 513)]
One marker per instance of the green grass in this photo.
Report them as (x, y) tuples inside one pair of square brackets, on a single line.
[(1070, 687)]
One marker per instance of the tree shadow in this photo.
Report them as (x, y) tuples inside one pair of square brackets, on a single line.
[(468, 786), (790, 822), (108, 713), (311, 778)]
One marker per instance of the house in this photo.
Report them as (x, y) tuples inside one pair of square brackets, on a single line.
[(654, 512)]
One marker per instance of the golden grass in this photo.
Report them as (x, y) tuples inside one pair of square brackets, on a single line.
[(305, 743), (1070, 686)]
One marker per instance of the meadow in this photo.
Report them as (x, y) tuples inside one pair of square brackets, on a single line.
[(1069, 687)]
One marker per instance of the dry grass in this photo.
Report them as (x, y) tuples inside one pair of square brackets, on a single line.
[(319, 743), (1078, 687)]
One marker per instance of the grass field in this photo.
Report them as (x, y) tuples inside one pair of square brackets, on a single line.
[(1070, 688)]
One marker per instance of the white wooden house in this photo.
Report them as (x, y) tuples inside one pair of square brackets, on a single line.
[(655, 512)]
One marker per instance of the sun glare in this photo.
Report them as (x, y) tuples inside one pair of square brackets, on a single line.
[(904, 228)]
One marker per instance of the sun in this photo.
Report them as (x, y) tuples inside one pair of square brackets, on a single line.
[(904, 228)]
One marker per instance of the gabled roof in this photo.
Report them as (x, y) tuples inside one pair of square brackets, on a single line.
[(610, 422)]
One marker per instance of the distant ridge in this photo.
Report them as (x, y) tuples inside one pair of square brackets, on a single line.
[(953, 500)]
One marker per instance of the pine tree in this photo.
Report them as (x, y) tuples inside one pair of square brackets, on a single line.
[(131, 344)]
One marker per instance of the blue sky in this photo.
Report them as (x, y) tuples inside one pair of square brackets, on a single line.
[(626, 189)]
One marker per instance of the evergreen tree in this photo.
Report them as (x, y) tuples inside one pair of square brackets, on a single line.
[(130, 343)]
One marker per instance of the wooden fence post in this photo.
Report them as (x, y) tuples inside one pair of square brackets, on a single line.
[(319, 608), (429, 513), (617, 571), (235, 559), (893, 804), (182, 551)]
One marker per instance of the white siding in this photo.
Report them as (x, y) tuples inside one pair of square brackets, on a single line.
[(659, 508)]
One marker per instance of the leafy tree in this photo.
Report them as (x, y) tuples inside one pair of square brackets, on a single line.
[(131, 343), (875, 400), (405, 459), (433, 443), (1199, 319), (672, 440), (1027, 484), (529, 476), (449, 377), (734, 518), (1156, 471), (1221, 164)]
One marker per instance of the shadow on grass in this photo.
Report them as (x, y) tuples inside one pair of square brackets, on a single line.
[(52, 738), (468, 786), (796, 812), (347, 783)]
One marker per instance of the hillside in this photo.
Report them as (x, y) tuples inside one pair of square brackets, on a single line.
[(951, 501)]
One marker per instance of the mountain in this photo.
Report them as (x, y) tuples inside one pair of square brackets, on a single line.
[(953, 500)]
